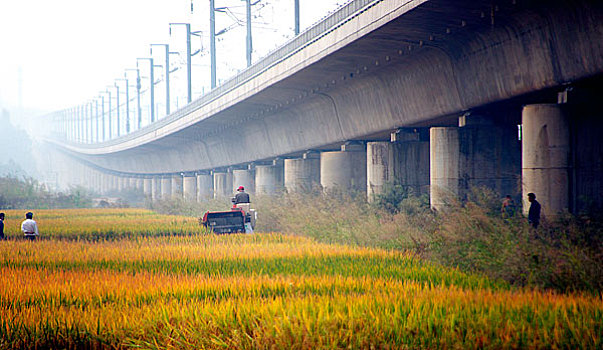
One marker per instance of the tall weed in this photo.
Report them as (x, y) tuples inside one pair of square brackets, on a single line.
[(564, 254)]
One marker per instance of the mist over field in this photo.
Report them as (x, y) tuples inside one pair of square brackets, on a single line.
[(16, 149)]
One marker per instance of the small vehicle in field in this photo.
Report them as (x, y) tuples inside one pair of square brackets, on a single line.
[(239, 219)]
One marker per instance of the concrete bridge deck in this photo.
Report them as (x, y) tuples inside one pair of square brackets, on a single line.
[(384, 65), (377, 67)]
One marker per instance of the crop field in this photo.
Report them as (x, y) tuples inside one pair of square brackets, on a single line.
[(189, 289), (93, 224)]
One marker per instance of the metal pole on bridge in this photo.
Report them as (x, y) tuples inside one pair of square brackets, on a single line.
[(138, 96), (117, 107), (188, 59), (152, 84), (109, 116), (212, 41), (127, 104), (91, 129), (248, 41), (139, 113), (167, 75), (102, 119), (296, 17)]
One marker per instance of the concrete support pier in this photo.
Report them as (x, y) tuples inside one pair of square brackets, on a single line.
[(177, 189), (104, 183), (140, 184), (205, 187), (114, 183), (302, 174), (189, 187), (379, 167), (269, 179), (345, 169), (147, 186), (444, 167), (222, 184), (156, 188), (545, 157), (166, 187), (122, 183), (245, 178)]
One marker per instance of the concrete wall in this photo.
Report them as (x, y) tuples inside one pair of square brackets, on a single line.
[(404, 163)]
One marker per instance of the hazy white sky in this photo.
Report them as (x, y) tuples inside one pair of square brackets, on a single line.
[(69, 50)]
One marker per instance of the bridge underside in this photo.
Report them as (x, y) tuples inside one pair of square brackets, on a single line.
[(487, 67), (424, 68)]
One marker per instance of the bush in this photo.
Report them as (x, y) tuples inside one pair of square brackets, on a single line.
[(20, 193), (564, 254)]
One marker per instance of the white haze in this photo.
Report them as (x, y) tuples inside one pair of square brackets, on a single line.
[(62, 53)]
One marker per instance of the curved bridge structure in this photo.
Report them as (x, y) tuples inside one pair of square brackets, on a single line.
[(426, 93)]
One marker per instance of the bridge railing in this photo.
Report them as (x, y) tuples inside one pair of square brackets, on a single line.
[(310, 35)]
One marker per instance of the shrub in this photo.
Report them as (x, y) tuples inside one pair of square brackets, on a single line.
[(564, 254), (18, 193)]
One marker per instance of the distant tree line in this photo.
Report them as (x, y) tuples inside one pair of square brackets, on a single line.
[(21, 193)]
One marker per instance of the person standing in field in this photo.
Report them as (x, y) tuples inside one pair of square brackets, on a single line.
[(29, 227), (1, 226), (534, 212), (508, 207)]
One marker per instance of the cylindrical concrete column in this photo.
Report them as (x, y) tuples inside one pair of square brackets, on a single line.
[(303, 174), (122, 183), (378, 167), (205, 187), (545, 157), (269, 179), (345, 169), (245, 178), (147, 186), (114, 183), (177, 189), (140, 184), (93, 185), (104, 183), (156, 188), (189, 187), (443, 165), (166, 187), (223, 185)]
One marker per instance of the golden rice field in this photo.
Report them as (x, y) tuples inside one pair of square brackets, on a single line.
[(91, 224), (187, 289)]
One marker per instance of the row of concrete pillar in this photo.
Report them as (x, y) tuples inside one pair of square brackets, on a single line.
[(445, 162)]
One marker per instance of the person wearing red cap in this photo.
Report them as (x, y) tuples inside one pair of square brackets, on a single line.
[(241, 196)]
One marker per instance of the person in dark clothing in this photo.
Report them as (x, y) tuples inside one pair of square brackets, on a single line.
[(534, 213), (1, 226), (241, 196), (508, 207)]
